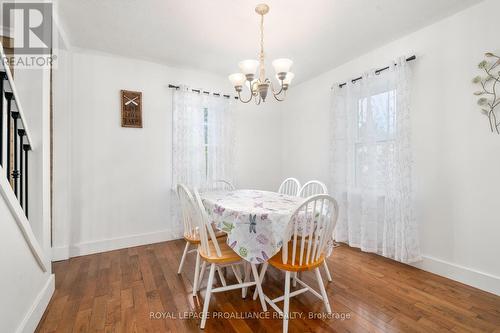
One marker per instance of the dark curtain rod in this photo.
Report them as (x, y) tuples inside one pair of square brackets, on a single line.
[(203, 92), (413, 57)]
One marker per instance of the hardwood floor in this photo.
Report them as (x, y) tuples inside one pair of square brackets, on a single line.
[(117, 291)]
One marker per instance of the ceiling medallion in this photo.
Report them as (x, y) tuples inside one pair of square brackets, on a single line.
[(259, 87)]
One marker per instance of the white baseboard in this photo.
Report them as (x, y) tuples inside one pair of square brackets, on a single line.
[(471, 277), (35, 313), (60, 253), (81, 249)]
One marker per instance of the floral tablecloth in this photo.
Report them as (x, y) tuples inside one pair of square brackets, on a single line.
[(255, 221)]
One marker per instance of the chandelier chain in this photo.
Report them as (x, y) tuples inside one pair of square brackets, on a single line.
[(262, 34)]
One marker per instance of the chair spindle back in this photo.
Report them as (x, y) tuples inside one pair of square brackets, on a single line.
[(206, 231), (189, 215), (313, 187), (290, 186), (309, 230), (224, 185)]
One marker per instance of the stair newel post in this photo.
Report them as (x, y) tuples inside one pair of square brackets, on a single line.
[(2, 78), (26, 149), (9, 96), (21, 133), (15, 172)]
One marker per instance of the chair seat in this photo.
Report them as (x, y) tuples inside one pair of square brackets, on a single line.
[(196, 238), (228, 255), (277, 261)]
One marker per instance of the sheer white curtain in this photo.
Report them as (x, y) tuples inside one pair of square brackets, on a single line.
[(372, 164), (203, 139), (202, 144)]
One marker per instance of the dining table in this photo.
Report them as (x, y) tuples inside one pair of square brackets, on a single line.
[(255, 221)]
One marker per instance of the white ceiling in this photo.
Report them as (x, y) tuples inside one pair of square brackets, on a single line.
[(213, 35)]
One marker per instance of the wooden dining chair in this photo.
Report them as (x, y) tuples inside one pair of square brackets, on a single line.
[(217, 253), (290, 186), (314, 187), (191, 233), (305, 245), (221, 184)]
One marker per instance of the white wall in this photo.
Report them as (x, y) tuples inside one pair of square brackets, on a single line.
[(258, 146), (456, 156), (24, 288), (112, 184)]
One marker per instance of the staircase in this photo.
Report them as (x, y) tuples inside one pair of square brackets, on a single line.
[(15, 148)]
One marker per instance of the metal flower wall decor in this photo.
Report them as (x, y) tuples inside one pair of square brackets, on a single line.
[(489, 98)]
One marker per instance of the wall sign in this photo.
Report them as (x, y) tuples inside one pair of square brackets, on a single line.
[(131, 104)]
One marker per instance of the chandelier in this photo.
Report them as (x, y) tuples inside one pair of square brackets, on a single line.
[(259, 87)]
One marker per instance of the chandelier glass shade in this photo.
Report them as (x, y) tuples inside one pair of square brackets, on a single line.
[(253, 72)]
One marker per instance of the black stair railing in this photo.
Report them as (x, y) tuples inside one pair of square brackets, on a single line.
[(26, 149), (14, 140), (3, 76), (21, 132)]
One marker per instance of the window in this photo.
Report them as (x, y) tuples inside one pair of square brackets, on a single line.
[(202, 138), (376, 121), (372, 162)]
